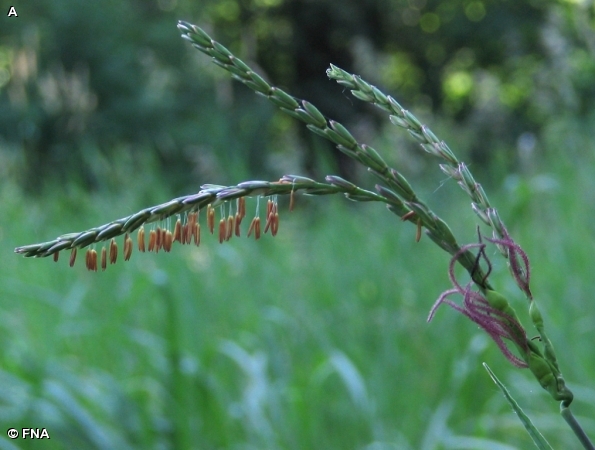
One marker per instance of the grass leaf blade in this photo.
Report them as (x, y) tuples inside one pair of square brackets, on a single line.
[(538, 439)]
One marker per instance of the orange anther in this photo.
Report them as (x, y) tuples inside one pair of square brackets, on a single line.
[(196, 234), (113, 251), (127, 247), (211, 219), (222, 232), (152, 240), (177, 236), (242, 207), (140, 237), (168, 239), (158, 239), (275, 224), (251, 227), (237, 224), (230, 227)]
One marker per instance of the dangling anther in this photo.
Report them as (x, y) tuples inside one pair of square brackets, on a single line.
[(72, 257), (168, 239), (211, 218), (275, 224), (152, 240), (418, 232), (127, 247), (241, 210), (269, 208), (270, 215), (178, 232), (222, 232), (56, 256), (158, 239), (140, 239), (230, 227), (91, 260), (113, 251), (103, 258), (237, 221), (196, 234), (255, 226)]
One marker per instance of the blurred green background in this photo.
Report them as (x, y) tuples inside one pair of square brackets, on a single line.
[(316, 338)]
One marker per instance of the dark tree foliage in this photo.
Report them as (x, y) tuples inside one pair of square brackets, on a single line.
[(85, 82)]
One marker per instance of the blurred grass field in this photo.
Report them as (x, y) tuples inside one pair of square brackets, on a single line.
[(314, 339)]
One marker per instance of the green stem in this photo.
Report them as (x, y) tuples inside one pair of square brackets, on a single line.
[(575, 426)]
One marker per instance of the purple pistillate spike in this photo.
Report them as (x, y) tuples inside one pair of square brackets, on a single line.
[(496, 323)]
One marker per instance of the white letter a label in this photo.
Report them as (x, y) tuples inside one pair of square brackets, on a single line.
[(12, 12)]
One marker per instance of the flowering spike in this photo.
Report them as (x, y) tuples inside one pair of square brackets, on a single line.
[(127, 247), (113, 251), (140, 238), (72, 257), (491, 312)]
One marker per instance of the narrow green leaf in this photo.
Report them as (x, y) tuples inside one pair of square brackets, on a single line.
[(538, 439)]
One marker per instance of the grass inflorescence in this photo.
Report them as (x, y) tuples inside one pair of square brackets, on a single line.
[(227, 202), (481, 303)]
